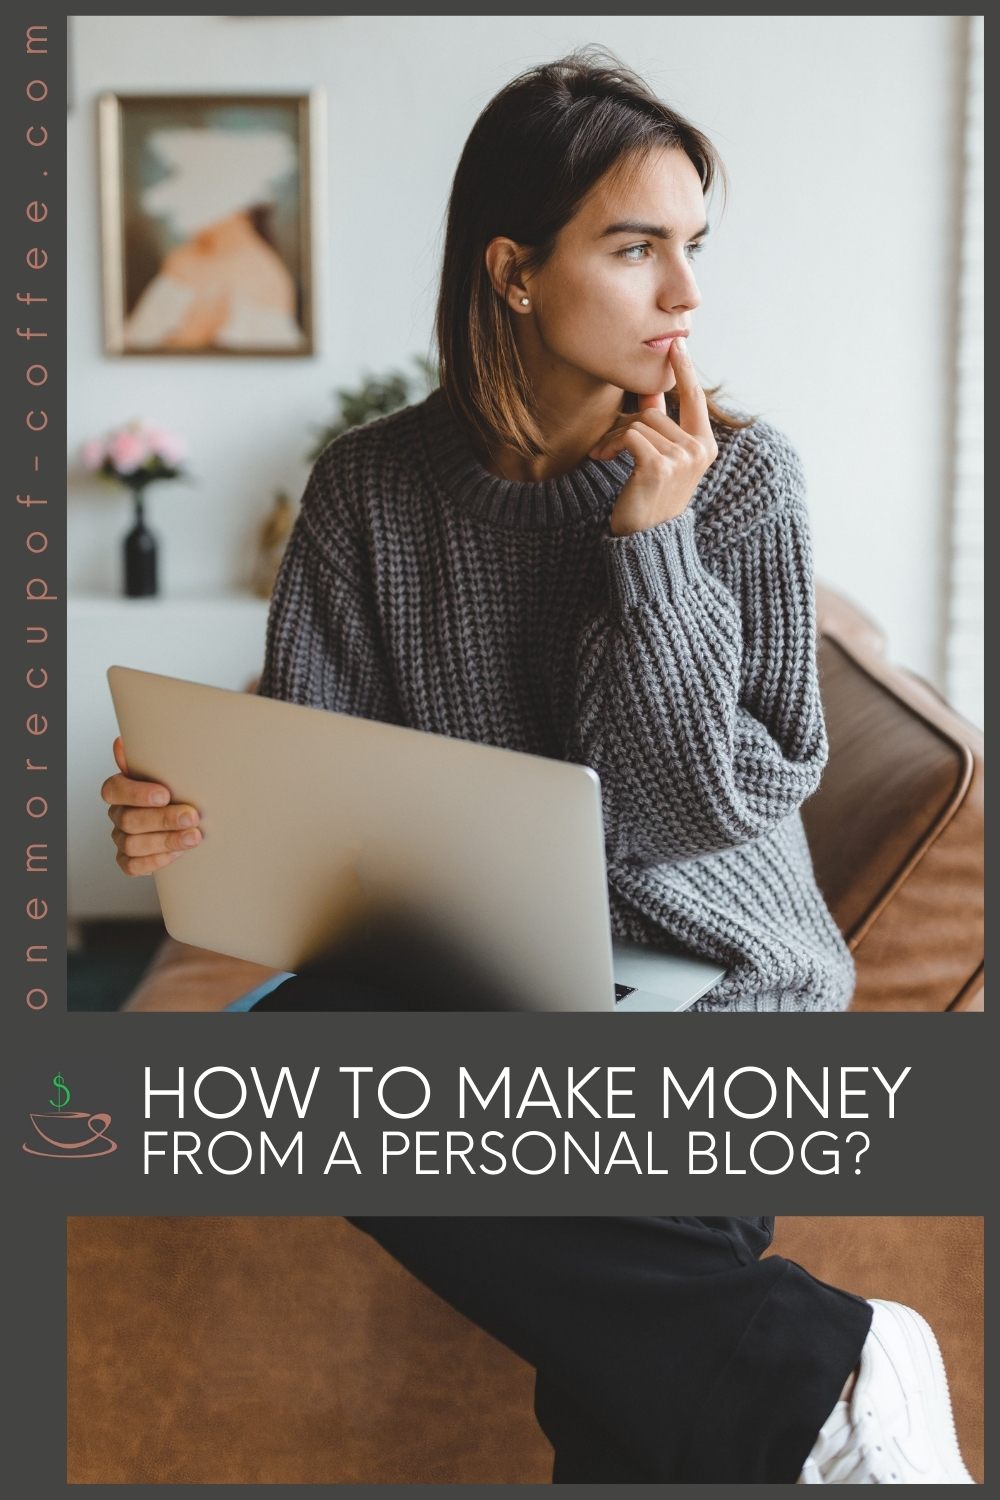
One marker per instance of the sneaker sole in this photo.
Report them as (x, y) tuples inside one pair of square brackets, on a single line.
[(927, 1359)]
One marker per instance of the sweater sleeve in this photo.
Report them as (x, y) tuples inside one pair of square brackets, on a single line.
[(323, 645), (696, 692)]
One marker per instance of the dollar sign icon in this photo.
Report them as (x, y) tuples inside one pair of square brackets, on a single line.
[(60, 1087)]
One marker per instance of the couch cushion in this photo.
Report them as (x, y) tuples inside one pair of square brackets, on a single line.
[(283, 1350)]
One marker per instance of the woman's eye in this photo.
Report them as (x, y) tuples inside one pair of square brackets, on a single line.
[(626, 253)]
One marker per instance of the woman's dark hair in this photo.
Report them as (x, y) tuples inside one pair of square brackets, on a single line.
[(532, 156)]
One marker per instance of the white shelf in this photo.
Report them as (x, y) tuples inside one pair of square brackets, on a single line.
[(225, 600)]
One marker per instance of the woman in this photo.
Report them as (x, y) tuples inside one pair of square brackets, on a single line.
[(570, 549)]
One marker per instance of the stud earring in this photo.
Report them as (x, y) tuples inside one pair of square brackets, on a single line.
[(525, 301)]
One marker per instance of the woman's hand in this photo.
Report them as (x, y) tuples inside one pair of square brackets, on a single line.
[(150, 830), (670, 457)]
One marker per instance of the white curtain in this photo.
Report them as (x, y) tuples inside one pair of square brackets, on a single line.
[(964, 638)]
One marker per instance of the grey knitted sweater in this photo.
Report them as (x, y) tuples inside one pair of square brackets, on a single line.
[(679, 662)]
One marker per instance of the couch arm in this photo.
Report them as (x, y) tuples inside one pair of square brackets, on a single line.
[(839, 618), (896, 827)]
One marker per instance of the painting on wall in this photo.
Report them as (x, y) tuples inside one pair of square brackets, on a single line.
[(209, 222)]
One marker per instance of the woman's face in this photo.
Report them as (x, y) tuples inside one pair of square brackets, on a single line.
[(621, 276)]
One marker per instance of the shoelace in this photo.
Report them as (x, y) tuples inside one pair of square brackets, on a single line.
[(846, 1452)]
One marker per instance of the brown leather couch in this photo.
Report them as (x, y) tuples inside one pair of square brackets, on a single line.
[(896, 833), (896, 828), (296, 1351)]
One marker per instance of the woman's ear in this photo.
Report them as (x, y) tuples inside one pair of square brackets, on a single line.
[(501, 258)]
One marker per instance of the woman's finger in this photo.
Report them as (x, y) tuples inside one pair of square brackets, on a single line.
[(654, 424), (119, 752), (693, 406), (134, 844), (611, 444), (134, 793), (639, 440), (640, 503), (691, 439), (144, 864), (655, 402), (660, 422), (153, 819)]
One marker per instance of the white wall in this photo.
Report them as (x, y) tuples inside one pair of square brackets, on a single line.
[(827, 286)]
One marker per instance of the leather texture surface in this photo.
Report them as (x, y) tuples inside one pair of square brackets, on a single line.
[(896, 828), (182, 977), (294, 1350), (279, 1350)]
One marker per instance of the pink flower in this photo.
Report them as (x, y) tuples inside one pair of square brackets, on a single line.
[(128, 451), (169, 446), (92, 454)]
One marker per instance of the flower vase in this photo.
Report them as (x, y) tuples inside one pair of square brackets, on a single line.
[(139, 555)]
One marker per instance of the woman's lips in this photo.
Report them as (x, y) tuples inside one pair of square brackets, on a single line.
[(663, 343)]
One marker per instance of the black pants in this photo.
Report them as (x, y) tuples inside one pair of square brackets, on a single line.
[(665, 1348)]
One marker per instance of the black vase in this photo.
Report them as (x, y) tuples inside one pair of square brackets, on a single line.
[(140, 556)]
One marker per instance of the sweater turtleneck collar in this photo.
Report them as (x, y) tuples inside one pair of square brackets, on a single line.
[(586, 493)]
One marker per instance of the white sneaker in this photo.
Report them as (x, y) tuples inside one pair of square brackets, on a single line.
[(897, 1427)]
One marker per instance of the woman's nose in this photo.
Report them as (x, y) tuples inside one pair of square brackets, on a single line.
[(680, 290)]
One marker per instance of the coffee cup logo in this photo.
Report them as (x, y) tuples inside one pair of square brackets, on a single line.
[(68, 1134)]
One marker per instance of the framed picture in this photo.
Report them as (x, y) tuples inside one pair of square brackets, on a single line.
[(209, 214)]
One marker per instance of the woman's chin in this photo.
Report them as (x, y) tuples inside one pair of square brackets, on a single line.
[(648, 381), (645, 381)]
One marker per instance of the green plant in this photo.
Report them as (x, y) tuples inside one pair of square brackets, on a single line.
[(376, 397)]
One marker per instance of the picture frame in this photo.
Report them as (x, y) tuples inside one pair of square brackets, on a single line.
[(210, 214)]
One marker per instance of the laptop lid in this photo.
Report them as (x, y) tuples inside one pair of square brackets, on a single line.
[(502, 852)]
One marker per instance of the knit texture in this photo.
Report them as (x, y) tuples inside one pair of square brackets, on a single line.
[(679, 662)]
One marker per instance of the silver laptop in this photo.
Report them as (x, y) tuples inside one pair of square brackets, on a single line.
[(501, 852)]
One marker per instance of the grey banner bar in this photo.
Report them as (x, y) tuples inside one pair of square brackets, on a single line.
[(816, 1117)]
